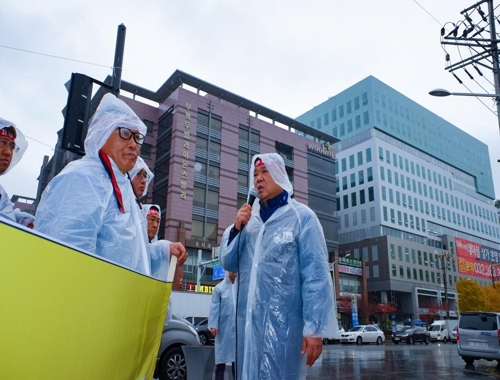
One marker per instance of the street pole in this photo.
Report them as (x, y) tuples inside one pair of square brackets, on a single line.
[(494, 55), (445, 283)]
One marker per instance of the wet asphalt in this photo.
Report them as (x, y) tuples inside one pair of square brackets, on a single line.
[(436, 361)]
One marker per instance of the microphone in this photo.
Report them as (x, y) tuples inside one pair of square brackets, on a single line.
[(252, 194)]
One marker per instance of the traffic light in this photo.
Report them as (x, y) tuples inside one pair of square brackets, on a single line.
[(76, 113)]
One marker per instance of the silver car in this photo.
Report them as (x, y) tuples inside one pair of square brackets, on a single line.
[(478, 337), (171, 363)]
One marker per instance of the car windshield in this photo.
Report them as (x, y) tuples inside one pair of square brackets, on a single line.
[(357, 328), (435, 328), (407, 329)]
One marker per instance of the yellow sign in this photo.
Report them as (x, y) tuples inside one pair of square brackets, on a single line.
[(68, 315)]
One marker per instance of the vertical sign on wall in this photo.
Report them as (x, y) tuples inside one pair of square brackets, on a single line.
[(354, 303), (185, 152)]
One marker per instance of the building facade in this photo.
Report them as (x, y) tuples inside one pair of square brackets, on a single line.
[(199, 146), (416, 198)]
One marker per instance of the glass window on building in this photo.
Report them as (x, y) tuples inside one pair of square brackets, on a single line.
[(344, 164), (197, 230), (400, 218), (363, 216), (415, 277), (400, 253), (389, 176), (353, 199), (358, 121), (334, 114), (369, 174), (360, 158), (393, 252), (427, 276), (381, 153), (286, 151), (413, 256), (213, 171), (371, 195), (242, 157), (401, 271), (393, 218), (318, 122), (146, 150), (421, 274), (326, 119), (408, 273), (372, 214), (407, 254), (394, 271), (351, 161), (362, 197), (374, 253), (242, 180), (368, 154), (344, 183), (346, 201), (361, 178), (420, 262), (386, 216), (383, 193), (341, 111), (366, 118), (346, 220)]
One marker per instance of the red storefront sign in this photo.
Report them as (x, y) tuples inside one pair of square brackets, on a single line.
[(477, 260)]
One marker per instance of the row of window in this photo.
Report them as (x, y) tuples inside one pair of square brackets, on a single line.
[(354, 198), (349, 125), (418, 275), (367, 157), (420, 257), (352, 179), (355, 221), (435, 210), (341, 111)]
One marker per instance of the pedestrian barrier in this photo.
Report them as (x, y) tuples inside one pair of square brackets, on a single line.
[(200, 362)]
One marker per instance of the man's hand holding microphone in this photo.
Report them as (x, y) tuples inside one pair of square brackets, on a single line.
[(245, 212)]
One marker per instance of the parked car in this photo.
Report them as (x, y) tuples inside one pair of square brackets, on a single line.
[(206, 337), (334, 339), (363, 334), (171, 364), (195, 320), (453, 336), (478, 336), (412, 335)]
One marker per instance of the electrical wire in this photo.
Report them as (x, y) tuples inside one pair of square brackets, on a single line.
[(416, 2), (55, 56)]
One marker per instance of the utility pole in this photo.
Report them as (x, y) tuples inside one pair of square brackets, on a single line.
[(480, 48), (118, 63)]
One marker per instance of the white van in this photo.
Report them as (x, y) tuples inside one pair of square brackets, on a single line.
[(441, 330)]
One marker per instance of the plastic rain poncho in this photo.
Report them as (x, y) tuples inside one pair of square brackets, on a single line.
[(160, 254), (285, 287), (23, 218), (79, 206), (222, 317), (139, 165), (6, 206)]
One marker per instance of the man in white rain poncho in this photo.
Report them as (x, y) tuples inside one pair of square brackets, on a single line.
[(221, 322), (140, 176), (285, 298), (90, 204), (12, 147)]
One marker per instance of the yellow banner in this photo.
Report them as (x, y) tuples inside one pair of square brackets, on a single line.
[(69, 315)]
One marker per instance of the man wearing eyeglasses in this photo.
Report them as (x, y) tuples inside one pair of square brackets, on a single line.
[(12, 147), (91, 204)]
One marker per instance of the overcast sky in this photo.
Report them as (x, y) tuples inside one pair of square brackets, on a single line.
[(287, 55)]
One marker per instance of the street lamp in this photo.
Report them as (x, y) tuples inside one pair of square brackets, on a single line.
[(441, 92)]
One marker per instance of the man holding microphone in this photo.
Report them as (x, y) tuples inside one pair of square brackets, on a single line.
[(285, 293)]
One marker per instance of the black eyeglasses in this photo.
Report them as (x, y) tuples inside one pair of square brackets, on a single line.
[(143, 175), (127, 134)]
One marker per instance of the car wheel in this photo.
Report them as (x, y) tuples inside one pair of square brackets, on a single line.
[(396, 342), (359, 340), (410, 340), (173, 365), (468, 361), (427, 340), (379, 341), (203, 339), (445, 340)]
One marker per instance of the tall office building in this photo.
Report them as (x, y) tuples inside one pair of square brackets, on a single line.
[(199, 144), (416, 197)]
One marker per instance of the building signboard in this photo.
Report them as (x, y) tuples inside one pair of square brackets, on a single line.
[(185, 152), (475, 259), (350, 270), (325, 150)]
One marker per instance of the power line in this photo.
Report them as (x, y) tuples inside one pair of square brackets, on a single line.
[(428, 13), (55, 56)]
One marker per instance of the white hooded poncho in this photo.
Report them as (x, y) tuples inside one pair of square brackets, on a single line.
[(285, 286), (6, 206), (79, 206)]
